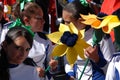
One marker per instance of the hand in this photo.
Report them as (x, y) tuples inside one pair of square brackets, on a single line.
[(72, 78), (92, 53), (53, 64), (41, 72)]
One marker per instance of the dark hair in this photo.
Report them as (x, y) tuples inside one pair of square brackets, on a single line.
[(76, 8), (11, 35), (15, 32)]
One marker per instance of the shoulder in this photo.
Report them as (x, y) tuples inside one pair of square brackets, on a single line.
[(116, 57), (21, 72)]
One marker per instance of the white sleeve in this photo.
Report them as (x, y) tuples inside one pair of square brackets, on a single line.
[(3, 34), (110, 75), (107, 50)]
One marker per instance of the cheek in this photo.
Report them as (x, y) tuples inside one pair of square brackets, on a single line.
[(12, 55), (26, 54), (37, 26)]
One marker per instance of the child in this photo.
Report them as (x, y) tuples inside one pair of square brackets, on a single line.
[(32, 15), (14, 50), (99, 55)]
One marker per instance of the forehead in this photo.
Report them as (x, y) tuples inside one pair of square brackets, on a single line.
[(21, 41), (39, 12), (66, 15)]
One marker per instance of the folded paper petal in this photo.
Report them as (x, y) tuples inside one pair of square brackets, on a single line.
[(111, 25), (71, 55), (59, 50), (85, 17), (80, 46), (73, 28), (63, 28), (89, 21), (109, 19), (81, 33), (92, 20), (79, 51), (55, 37), (82, 43)]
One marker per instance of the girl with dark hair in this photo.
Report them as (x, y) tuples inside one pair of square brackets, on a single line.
[(32, 15), (99, 55), (14, 51)]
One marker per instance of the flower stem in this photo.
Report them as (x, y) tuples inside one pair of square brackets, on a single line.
[(86, 62), (48, 68)]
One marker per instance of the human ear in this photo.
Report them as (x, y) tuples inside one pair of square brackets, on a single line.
[(26, 21)]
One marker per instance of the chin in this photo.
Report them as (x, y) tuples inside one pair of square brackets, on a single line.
[(38, 31), (19, 62)]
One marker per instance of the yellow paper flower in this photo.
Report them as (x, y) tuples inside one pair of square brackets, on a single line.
[(107, 24), (71, 51)]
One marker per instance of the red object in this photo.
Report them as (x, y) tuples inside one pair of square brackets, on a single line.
[(9, 2), (52, 12), (109, 6)]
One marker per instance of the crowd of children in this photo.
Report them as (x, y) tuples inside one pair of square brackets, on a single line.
[(25, 50)]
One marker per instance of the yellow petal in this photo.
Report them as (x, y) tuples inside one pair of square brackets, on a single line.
[(82, 43), (89, 21), (80, 46), (88, 16), (110, 18), (71, 55), (59, 50), (81, 33), (55, 37), (79, 50), (111, 25), (73, 28), (63, 28)]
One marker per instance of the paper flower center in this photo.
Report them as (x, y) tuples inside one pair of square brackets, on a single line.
[(69, 39)]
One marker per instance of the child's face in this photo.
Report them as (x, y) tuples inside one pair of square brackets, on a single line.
[(18, 50), (37, 21), (67, 17)]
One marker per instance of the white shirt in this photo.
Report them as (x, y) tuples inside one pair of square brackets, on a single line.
[(113, 71), (38, 50), (24, 72)]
